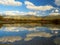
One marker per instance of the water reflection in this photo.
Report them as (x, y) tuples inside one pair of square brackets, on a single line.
[(28, 33)]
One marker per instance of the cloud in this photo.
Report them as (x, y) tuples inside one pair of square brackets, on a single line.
[(55, 12), (31, 13), (36, 34), (31, 6), (14, 13), (10, 39), (11, 12), (10, 2), (28, 13), (57, 2), (17, 13)]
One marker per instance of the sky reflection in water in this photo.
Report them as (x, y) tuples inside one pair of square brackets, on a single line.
[(9, 33)]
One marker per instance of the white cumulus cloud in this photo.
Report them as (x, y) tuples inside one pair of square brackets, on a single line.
[(57, 2), (55, 12), (10, 2), (30, 5), (14, 13)]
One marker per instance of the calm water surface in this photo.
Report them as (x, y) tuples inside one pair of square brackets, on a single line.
[(30, 34)]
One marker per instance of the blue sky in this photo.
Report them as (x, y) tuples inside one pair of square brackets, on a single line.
[(35, 7)]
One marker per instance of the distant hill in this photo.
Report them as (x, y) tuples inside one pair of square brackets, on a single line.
[(51, 17), (31, 19)]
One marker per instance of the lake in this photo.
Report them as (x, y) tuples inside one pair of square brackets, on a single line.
[(30, 34)]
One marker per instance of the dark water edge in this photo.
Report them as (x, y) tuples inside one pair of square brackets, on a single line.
[(31, 25), (34, 41)]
